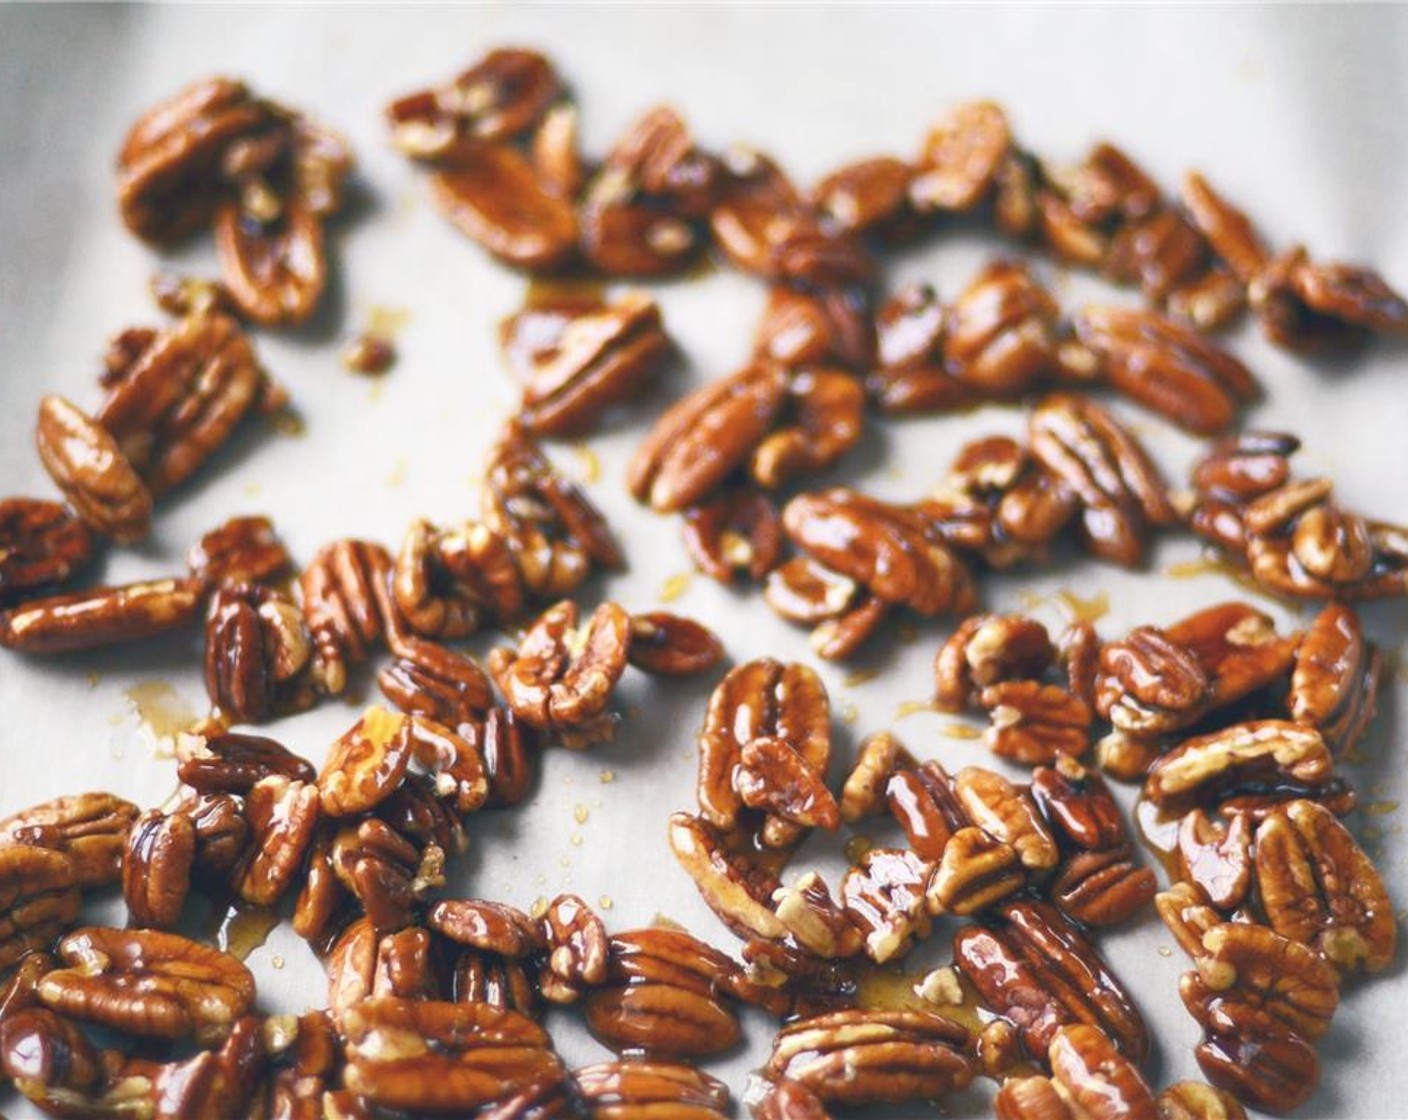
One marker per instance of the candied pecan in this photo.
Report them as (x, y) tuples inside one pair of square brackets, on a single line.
[(347, 606), (428, 1055), (419, 812), (504, 743), (1097, 1080), (865, 1057), (702, 438), (977, 870), (438, 589), (182, 398), (880, 757), (1065, 233), (922, 801), (256, 648), (86, 462), (101, 616), (1148, 684), (1167, 367), (435, 682), (1216, 857), (497, 99), (801, 590), (148, 983), (820, 422), (41, 544), (911, 374), (1355, 296), (985, 650), (1255, 755), (1192, 1100), (664, 995), (1317, 886), (491, 927), (578, 945), (492, 194), (1007, 813), (1208, 302), (233, 763), (553, 530), (635, 1089), (962, 153), (156, 867), (1035, 723), (624, 238), (597, 358), (39, 898), (453, 760), (283, 815), (1040, 972), (1079, 652), (827, 327), (366, 763), (870, 195), (498, 981), (815, 922), (736, 891), (385, 871), (1336, 678), (737, 531), (1120, 490), (999, 337), (242, 550), (168, 168), (1238, 648), (670, 645), (222, 832), (91, 827), (1226, 228), (884, 897), (51, 1062), (773, 777)]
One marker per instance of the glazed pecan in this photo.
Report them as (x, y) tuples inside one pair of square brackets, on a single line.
[(1227, 229), (1318, 887), (51, 1062), (552, 529), (1238, 647), (498, 981), (884, 897), (39, 898), (1216, 857), (868, 196), (242, 550), (86, 462), (1245, 756), (156, 868), (181, 399), (670, 645), (578, 947), (1192, 1100), (347, 606), (1007, 813), (91, 827), (148, 983), (865, 1057), (1336, 678), (637, 1088), (814, 920), (234, 763), (739, 893), (505, 744), (1035, 723), (42, 544), (1039, 971), (453, 760), (256, 649), (1120, 490), (101, 616), (427, 1055), (437, 683), (985, 650), (704, 437), (366, 764), (490, 927), (962, 153), (879, 758), (911, 374), (1000, 332), (921, 798), (1148, 684), (821, 420), (1167, 367), (1090, 1080), (283, 815), (385, 871), (826, 327), (773, 777), (1306, 306), (737, 531), (595, 358)]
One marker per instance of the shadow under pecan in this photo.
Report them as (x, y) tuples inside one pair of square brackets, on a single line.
[(42, 544)]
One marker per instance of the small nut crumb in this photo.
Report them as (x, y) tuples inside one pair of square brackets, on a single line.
[(940, 987), (369, 353)]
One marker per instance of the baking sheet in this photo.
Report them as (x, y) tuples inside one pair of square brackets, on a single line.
[(1295, 112)]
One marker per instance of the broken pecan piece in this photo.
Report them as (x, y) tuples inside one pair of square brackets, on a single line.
[(985, 650), (41, 545), (737, 531)]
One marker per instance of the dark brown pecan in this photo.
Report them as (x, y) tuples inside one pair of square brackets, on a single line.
[(182, 398), (446, 580), (1336, 678), (434, 681), (828, 327), (492, 194), (428, 1055), (986, 650), (51, 1062), (90, 827), (578, 946), (506, 744), (222, 832), (156, 868), (418, 811), (705, 437), (773, 777), (866, 1057), (347, 606), (922, 801), (670, 645), (553, 530), (883, 895), (1121, 492), (1263, 754), (42, 544), (39, 898), (595, 358), (152, 984), (169, 166), (233, 763), (1228, 231), (497, 99), (962, 153), (821, 420), (1318, 887), (1306, 306), (283, 816), (242, 550), (1035, 723), (1167, 367), (561, 677), (101, 616), (1079, 651), (637, 1088), (366, 764), (256, 649), (911, 374), (870, 195), (1000, 336), (385, 871), (738, 892), (880, 757), (1148, 684), (86, 462), (737, 531), (1039, 971)]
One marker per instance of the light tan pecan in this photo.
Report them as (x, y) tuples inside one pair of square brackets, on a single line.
[(739, 893), (1192, 1100), (1255, 753), (1000, 336), (867, 196), (42, 544), (867, 1057), (737, 531), (87, 463), (1037, 970), (1034, 723), (347, 605), (91, 827), (820, 421), (1121, 492), (1148, 684), (827, 327), (366, 763), (636, 1089), (815, 922), (436, 683), (497, 99), (1336, 678), (1317, 886), (242, 550), (553, 530), (595, 359), (101, 616), (704, 437), (1007, 813), (39, 898), (1216, 857), (182, 398), (880, 757), (985, 650), (884, 897), (156, 868), (962, 153), (1167, 367), (493, 195), (283, 815), (428, 1055), (256, 651), (148, 983), (670, 645)]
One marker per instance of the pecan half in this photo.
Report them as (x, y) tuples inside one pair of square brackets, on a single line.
[(884, 897), (91, 827), (1007, 813), (639, 1088), (1227, 229), (1238, 648), (880, 757), (234, 763), (1255, 755), (156, 867), (1035, 723), (870, 195), (1216, 857), (256, 648), (39, 898), (242, 550), (1148, 684), (1192, 1100), (347, 605), (283, 816), (828, 327), (101, 616), (436, 683), (737, 892), (670, 645), (1336, 677), (737, 531), (1000, 336), (366, 764), (962, 153), (86, 462), (985, 650), (497, 99), (578, 946), (42, 544)]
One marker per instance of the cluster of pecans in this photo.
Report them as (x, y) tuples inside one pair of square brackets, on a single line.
[(434, 1004)]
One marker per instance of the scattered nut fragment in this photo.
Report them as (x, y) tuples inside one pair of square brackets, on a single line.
[(369, 353)]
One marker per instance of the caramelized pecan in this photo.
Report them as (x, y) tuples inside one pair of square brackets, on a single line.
[(87, 463), (101, 616), (41, 545)]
